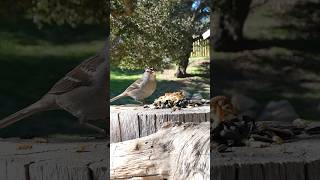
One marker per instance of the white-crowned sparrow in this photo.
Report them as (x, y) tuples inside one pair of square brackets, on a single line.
[(141, 88), (83, 92)]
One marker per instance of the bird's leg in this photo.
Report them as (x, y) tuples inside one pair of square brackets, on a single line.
[(96, 128), (93, 127), (141, 102)]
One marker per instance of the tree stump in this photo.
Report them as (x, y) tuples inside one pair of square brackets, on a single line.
[(175, 152), (55, 160), (131, 122), (297, 160)]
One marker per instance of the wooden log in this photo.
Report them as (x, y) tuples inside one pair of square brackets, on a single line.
[(129, 126), (131, 121), (298, 160), (53, 161), (115, 136), (313, 170), (100, 170), (175, 152), (169, 154)]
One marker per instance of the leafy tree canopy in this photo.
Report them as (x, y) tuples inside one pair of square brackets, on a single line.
[(154, 33), (72, 12)]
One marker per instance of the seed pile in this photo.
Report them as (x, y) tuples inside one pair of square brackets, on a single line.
[(177, 100), (245, 131)]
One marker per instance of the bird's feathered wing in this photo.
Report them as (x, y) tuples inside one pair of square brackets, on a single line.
[(135, 85), (79, 76)]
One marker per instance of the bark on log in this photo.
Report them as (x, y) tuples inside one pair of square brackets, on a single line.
[(174, 152), (131, 122)]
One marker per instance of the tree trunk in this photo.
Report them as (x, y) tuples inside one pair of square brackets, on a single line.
[(182, 68), (227, 21), (175, 152), (184, 61)]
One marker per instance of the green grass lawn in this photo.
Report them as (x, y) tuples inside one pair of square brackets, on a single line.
[(31, 61)]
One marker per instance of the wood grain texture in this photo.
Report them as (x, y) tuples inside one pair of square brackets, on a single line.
[(53, 161), (223, 172), (115, 136), (3, 169), (129, 126), (137, 121), (100, 170), (58, 170), (272, 171), (297, 160), (147, 124), (312, 169), (160, 120), (174, 152)]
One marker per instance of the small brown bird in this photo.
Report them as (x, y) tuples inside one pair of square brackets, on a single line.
[(141, 88), (83, 92), (221, 109)]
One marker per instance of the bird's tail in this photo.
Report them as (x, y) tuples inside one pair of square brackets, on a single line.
[(28, 111), (117, 97)]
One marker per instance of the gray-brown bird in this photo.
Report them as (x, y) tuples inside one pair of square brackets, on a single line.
[(141, 88), (83, 92)]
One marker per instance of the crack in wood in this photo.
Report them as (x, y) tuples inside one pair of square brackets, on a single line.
[(140, 176), (27, 170), (119, 125), (21, 154)]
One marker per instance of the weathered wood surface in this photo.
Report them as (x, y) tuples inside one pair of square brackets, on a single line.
[(174, 152), (298, 160), (182, 151), (28, 160), (131, 122)]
